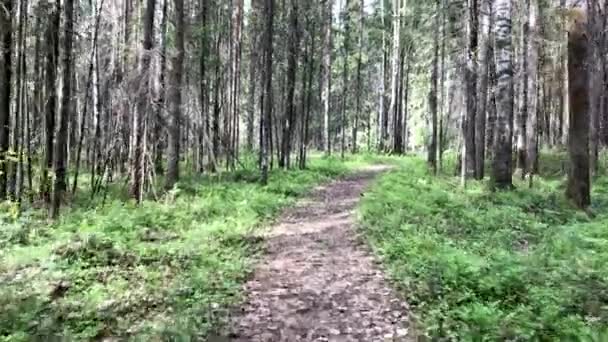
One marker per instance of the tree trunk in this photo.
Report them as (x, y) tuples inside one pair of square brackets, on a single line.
[(384, 109), (501, 166), (5, 90), (175, 98), (359, 85), (397, 147), (139, 128), (345, 51), (88, 85), (66, 111), (159, 120), (215, 148), (15, 167), (395, 60), (565, 124), (253, 69), (468, 152), (433, 99), (307, 96), (484, 60), (52, 64), (579, 182), (204, 88), (289, 121), (532, 84), (405, 92), (265, 123), (237, 23), (491, 103), (326, 75), (442, 122), (522, 116), (595, 96)]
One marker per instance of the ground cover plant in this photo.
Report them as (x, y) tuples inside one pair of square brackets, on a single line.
[(476, 265), (164, 269)]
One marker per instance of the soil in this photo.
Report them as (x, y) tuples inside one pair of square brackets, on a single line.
[(317, 280)]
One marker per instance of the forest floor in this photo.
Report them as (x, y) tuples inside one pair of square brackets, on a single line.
[(317, 280), (477, 265), (170, 268)]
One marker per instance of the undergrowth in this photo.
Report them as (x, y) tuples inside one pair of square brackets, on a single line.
[(482, 266), (164, 270)]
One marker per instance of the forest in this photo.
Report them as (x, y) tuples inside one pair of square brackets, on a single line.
[(303, 170)]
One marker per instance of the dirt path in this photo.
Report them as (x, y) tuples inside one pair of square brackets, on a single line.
[(317, 281)]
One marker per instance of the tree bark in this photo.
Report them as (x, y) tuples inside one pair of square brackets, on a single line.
[(159, 120), (253, 68), (52, 65), (359, 85), (5, 89), (501, 166), (441, 141), (265, 123), (66, 111), (139, 153), (345, 76), (468, 152), (433, 99), (595, 96), (522, 117), (485, 13), (532, 84), (579, 180), (384, 109), (175, 98), (395, 61), (289, 121), (16, 165), (326, 74)]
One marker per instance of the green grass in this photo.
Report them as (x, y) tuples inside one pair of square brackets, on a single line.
[(164, 270), (482, 266)]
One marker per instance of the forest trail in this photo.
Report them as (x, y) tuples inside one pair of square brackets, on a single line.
[(317, 280)]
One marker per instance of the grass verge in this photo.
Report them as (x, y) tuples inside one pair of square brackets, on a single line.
[(482, 266)]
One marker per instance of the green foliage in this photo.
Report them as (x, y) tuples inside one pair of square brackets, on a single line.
[(164, 270), (482, 266)]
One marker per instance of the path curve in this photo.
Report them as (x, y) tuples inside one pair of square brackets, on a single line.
[(317, 280)]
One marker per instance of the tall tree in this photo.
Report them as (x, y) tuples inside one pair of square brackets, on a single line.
[(16, 166), (345, 52), (483, 61), (597, 65), (254, 40), (579, 179), (501, 166), (470, 78), (359, 85), (441, 140), (433, 98), (159, 120), (522, 94), (6, 10), (384, 109), (395, 59), (289, 121), (532, 84), (175, 98), (61, 147), (265, 122), (138, 158), (326, 73), (52, 65)]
